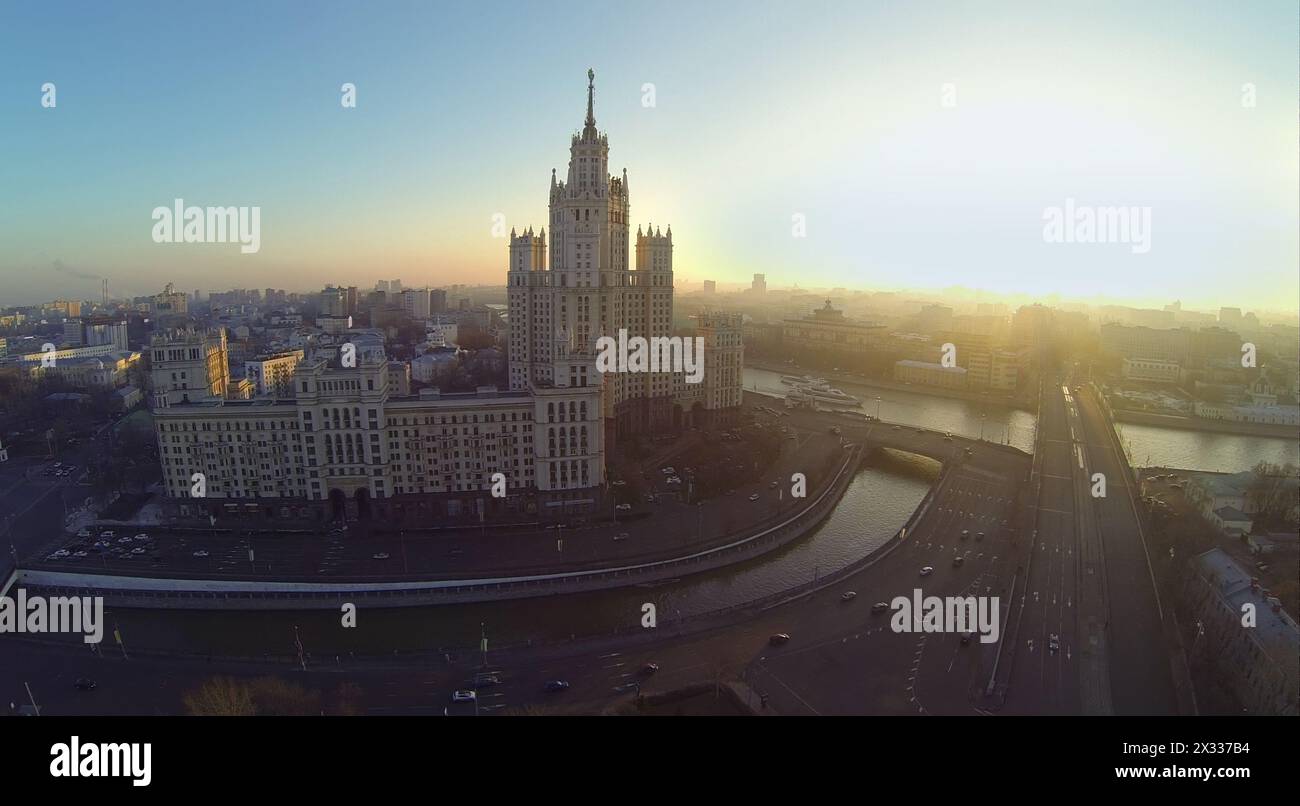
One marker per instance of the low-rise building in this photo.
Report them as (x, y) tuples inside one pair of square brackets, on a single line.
[(924, 373), (1151, 370), (1258, 663)]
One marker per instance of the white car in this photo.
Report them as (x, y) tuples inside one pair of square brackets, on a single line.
[(62, 553), (108, 534), (379, 555), (621, 536), (623, 507), (1053, 642), (464, 695), (673, 480), (200, 554), (83, 533), (667, 471), (139, 550), (142, 537), (754, 497), (926, 571)]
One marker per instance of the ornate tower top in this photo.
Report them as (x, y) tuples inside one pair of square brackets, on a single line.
[(591, 115)]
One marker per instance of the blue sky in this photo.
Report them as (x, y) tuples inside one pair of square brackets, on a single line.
[(832, 111)]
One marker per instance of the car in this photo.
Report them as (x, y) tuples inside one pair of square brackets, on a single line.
[(667, 470), (52, 557), (62, 553), (200, 554), (83, 533), (103, 544), (1053, 643), (754, 497), (649, 669), (965, 534), (557, 685), (108, 534), (125, 539), (623, 508), (84, 684), (81, 553), (979, 535), (139, 550), (486, 680), (926, 571), (142, 537), (774, 485), (621, 536), (464, 695), (779, 638), (848, 596), (379, 555), (618, 483), (957, 561), (879, 607), (898, 428)]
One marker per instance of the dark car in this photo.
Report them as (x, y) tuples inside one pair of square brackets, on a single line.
[(779, 638), (879, 607), (84, 684), (557, 685), (649, 668)]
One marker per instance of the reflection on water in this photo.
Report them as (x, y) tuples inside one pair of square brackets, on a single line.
[(1148, 446), (996, 422), (877, 503)]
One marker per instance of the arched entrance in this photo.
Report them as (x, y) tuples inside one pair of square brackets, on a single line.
[(338, 505)]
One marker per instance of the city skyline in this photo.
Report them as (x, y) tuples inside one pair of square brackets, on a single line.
[(912, 168)]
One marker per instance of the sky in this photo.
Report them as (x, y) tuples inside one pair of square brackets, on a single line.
[(861, 144)]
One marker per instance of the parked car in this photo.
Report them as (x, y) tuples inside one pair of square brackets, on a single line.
[(200, 554), (379, 555), (557, 685), (927, 570), (754, 497), (879, 607), (84, 684), (463, 695), (779, 639), (649, 669), (848, 596)]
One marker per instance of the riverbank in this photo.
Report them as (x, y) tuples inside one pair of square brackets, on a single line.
[(1185, 423), (222, 594)]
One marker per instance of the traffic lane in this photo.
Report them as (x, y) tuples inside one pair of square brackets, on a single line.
[(1139, 662), (1140, 670)]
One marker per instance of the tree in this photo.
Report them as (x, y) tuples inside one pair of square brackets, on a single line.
[(220, 696)]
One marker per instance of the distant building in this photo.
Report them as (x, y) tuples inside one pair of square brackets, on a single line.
[(759, 284), (272, 374), (710, 287), (1150, 370), (926, 374), (827, 330)]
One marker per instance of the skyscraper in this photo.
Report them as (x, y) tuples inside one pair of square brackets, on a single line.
[(580, 286)]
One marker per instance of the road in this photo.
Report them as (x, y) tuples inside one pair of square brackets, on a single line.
[(1139, 656)]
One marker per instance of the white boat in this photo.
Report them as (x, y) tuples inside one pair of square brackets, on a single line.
[(799, 399), (823, 392), (800, 380)]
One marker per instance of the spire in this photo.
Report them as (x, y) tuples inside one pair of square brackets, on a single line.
[(591, 115)]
